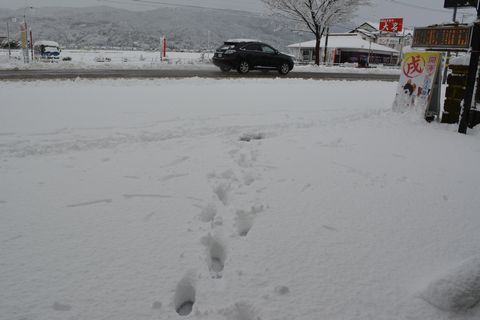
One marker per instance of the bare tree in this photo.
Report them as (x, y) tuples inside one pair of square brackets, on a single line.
[(316, 15)]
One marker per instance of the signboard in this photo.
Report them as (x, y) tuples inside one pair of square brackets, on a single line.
[(391, 25), (391, 42), (419, 83), (23, 35), (442, 37), (460, 3)]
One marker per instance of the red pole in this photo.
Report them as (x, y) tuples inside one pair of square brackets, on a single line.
[(31, 43), (164, 46)]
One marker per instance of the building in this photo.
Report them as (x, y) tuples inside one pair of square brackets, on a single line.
[(390, 39), (347, 48)]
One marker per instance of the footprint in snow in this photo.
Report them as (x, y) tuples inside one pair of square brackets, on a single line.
[(249, 178), (247, 159), (222, 191), (241, 311), (208, 213), (281, 290), (244, 219), (185, 293), (216, 254), (247, 137)]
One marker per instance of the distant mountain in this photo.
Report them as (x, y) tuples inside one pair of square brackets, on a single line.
[(185, 28)]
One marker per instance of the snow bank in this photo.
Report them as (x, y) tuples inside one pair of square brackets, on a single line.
[(461, 59), (458, 290), (108, 59), (116, 59), (348, 69)]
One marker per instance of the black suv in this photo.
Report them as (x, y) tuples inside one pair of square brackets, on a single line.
[(246, 55)]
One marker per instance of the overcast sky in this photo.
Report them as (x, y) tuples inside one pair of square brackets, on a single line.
[(414, 12)]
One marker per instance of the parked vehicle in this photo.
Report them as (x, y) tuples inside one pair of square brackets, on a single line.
[(47, 50), (245, 55)]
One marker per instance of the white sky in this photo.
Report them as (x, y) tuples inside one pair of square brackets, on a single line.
[(415, 13)]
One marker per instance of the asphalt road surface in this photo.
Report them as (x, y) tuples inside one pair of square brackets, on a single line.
[(48, 74)]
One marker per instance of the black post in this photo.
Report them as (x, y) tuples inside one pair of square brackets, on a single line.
[(472, 75)]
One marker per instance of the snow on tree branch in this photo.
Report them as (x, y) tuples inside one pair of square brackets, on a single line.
[(316, 15)]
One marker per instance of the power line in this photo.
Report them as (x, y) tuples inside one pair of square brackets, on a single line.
[(416, 6)]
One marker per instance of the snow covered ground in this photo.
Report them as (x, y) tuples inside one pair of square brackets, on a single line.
[(118, 59), (90, 59), (233, 199)]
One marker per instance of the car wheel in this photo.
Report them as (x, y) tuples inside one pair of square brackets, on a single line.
[(284, 68), (243, 67), (225, 68)]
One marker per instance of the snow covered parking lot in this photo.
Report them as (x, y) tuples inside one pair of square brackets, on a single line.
[(233, 199)]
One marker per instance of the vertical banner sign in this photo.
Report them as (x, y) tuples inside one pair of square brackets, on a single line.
[(23, 35), (391, 25), (417, 82)]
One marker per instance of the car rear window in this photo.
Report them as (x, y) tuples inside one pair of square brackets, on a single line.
[(226, 46)]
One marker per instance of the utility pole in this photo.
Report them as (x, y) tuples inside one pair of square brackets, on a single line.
[(472, 74), (208, 43), (31, 43), (8, 39)]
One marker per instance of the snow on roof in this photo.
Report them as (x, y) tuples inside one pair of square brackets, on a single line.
[(346, 41), (365, 32), (242, 40), (46, 43), (375, 25)]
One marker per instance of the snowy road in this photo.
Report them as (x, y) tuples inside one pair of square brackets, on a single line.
[(180, 73)]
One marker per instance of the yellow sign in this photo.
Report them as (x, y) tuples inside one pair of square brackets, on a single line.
[(23, 38), (418, 74), (23, 35)]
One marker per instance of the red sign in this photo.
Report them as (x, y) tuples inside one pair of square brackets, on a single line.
[(391, 25), (413, 66)]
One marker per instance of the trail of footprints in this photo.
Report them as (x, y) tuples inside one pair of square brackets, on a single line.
[(214, 242)]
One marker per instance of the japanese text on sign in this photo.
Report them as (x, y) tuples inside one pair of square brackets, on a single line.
[(391, 25)]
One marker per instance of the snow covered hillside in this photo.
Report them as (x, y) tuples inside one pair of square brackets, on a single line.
[(185, 28), (233, 199)]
